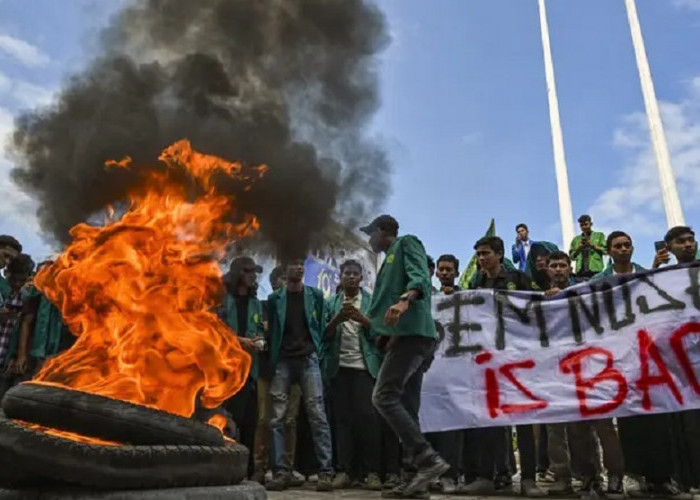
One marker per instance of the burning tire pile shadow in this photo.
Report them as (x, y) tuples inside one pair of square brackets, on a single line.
[(62, 442)]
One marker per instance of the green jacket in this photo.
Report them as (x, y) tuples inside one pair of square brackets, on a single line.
[(254, 325), (49, 336), (595, 261), (277, 313), (331, 352), (609, 271), (5, 289), (404, 268)]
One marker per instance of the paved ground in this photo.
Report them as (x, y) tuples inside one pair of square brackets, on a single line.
[(303, 494)]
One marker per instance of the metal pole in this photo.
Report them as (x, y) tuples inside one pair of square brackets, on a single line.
[(565, 210), (672, 203)]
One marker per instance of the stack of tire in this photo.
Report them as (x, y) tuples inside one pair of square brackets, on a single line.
[(155, 449)]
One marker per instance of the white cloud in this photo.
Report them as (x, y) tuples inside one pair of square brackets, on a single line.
[(15, 206), (688, 4), (635, 200), (24, 94), (24, 52)]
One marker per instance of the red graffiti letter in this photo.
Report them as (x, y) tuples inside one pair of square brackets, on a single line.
[(647, 348), (507, 371), (573, 362), (677, 344), (493, 397)]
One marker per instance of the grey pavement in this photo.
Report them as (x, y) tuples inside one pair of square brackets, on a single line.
[(304, 493)]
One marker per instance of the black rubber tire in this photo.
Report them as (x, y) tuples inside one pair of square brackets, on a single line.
[(106, 418), (244, 491), (121, 467)]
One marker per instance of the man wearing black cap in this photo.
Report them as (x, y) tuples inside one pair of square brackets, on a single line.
[(400, 314), (242, 312), (587, 249)]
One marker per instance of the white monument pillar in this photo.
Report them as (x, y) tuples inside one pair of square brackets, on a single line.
[(565, 210), (667, 181)]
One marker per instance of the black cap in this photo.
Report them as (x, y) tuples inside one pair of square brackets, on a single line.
[(240, 262), (584, 218), (383, 222)]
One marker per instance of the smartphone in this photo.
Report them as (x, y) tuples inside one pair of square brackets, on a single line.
[(659, 245)]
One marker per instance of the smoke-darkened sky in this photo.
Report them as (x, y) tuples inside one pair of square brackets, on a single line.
[(288, 83)]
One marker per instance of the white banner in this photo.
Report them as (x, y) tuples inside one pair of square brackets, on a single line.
[(626, 345)]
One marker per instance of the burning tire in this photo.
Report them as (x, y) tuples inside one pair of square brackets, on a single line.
[(120, 467), (106, 418)]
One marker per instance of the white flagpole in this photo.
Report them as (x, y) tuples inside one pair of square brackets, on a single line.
[(667, 181), (565, 210)]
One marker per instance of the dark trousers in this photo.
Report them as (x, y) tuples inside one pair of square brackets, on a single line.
[(449, 446), (391, 450), (243, 408), (542, 448), (397, 391), (357, 430), (470, 454), (494, 450)]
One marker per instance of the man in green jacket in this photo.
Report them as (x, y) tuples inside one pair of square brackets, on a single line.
[(9, 249), (587, 249), (242, 312), (295, 337), (351, 363), (400, 314)]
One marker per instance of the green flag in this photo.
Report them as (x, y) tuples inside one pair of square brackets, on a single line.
[(471, 268)]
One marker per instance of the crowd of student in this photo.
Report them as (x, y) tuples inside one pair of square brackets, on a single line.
[(356, 361)]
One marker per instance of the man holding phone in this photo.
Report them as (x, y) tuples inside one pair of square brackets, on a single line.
[(587, 249), (679, 242)]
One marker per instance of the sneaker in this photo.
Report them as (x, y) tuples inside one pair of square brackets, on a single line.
[(503, 482), (391, 481), (325, 482), (560, 488), (430, 469), (279, 482), (296, 479), (529, 488), (341, 481), (400, 492), (313, 478), (372, 482), (258, 477), (479, 486), (547, 476), (615, 485), (592, 490), (448, 485)]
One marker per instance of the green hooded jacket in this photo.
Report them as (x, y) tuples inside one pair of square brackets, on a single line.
[(254, 325), (331, 353), (404, 268), (595, 260), (49, 336), (277, 314)]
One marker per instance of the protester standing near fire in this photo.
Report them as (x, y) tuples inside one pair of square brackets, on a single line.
[(490, 253), (400, 314), (17, 273), (295, 341), (242, 312), (351, 362)]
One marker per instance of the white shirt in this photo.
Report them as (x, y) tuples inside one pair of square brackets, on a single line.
[(350, 331)]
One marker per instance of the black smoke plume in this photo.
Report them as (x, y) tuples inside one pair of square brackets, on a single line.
[(287, 83)]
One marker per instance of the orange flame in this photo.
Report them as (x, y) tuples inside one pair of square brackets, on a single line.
[(139, 292)]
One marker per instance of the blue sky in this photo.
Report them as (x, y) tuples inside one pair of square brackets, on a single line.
[(464, 111)]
